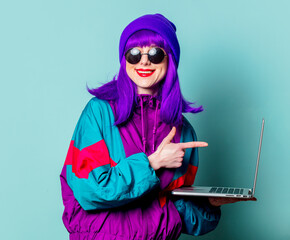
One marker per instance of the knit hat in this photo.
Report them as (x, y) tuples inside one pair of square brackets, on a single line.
[(156, 23)]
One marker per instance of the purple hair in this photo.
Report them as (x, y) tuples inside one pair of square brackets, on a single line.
[(124, 91)]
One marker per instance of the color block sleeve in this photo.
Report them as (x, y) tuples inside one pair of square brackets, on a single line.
[(97, 171), (198, 216)]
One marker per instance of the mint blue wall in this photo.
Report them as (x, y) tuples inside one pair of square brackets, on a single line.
[(235, 59)]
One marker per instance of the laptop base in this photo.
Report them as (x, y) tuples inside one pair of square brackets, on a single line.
[(229, 192)]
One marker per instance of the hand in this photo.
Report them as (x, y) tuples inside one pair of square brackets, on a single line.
[(170, 155), (218, 201)]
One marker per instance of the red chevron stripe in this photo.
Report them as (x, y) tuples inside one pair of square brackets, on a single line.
[(190, 175), (89, 158), (185, 180)]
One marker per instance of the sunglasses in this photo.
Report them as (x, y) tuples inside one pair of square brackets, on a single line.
[(155, 55)]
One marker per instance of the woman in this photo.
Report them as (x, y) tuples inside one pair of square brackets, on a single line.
[(132, 146)]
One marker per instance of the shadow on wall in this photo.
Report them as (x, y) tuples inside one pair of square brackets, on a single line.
[(230, 119), (230, 123)]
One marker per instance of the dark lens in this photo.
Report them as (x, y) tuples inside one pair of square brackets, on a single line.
[(133, 55), (156, 55)]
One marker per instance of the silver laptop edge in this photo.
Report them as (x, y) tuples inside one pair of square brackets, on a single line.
[(258, 158), (204, 191)]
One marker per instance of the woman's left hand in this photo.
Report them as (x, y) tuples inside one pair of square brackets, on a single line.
[(218, 201)]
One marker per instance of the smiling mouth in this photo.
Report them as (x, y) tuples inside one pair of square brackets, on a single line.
[(145, 72)]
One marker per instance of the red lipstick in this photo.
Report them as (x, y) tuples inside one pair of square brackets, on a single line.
[(145, 72)]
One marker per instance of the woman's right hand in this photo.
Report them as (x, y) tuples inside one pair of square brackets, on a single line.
[(170, 155)]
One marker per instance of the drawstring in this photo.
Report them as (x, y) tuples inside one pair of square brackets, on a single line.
[(154, 128), (142, 125), (142, 122)]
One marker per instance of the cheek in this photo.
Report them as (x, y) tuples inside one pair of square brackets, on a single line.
[(165, 65), (129, 70), (164, 71)]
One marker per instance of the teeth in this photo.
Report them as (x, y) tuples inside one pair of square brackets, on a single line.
[(145, 71)]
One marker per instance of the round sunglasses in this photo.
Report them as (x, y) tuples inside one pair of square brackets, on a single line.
[(155, 55)]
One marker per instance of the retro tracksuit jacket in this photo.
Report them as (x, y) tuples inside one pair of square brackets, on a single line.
[(109, 189)]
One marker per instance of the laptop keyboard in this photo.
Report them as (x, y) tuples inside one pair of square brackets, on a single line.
[(226, 190)]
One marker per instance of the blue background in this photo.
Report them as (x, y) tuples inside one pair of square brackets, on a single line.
[(235, 59)]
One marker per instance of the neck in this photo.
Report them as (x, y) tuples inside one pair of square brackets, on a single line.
[(149, 91)]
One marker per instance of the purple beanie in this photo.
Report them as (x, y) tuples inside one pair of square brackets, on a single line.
[(156, 23)]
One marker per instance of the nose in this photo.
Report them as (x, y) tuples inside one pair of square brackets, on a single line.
[(144, 60)]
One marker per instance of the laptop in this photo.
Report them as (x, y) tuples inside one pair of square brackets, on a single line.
[(232, 192)]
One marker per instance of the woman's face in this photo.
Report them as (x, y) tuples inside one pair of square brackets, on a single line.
[(147, 75)]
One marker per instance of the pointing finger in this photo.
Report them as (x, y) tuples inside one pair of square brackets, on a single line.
[(193, 144), (170, 136)]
